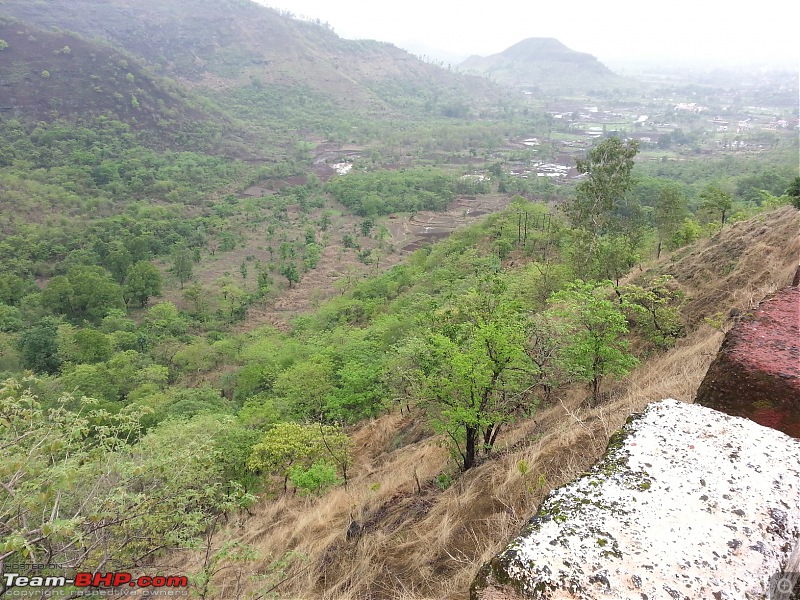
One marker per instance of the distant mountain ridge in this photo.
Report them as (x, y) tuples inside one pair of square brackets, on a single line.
[(545, 64)]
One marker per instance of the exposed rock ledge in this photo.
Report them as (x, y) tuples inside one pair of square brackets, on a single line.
[(756, 373), (687, 503)]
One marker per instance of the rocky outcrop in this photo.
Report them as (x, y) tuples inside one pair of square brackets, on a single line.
[(687, 503), (756, 373)]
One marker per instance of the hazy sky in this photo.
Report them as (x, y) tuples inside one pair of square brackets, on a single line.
[(729, 31)]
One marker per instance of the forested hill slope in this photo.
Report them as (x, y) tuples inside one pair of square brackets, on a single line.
[(233, 43), (49, 75), (544, 63), (406, 526)]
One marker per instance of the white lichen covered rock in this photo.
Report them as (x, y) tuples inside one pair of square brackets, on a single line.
[(687, 503)]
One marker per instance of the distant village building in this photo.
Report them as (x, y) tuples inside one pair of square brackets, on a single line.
[(690, 107), (342, 168)]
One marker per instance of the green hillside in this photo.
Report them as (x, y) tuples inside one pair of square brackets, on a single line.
[(48, 75), (231, 44)]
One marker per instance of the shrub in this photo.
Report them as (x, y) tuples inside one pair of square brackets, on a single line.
[(316, 479)]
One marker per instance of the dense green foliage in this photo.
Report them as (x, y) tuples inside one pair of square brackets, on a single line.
[(113, 495), (303, 453), (383, 192), (55, 174)]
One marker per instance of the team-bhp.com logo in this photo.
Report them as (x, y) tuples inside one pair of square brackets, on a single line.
[(95, 580), (785, 586)]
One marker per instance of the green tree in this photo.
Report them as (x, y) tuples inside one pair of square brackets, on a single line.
[(182, 264), (143, 281), (688, 232), (654, 309), (594, 327), (716, 200), (288, 446), (313, 252), (58, 296), (164, 320), (366, 226), (12, 289), (612, 256), (117, 320), (471, 369), (264, 282), (233, 303), (670, 211), (348, 241), (91, 294), (325, 220), (196, 401), (315, 479), (198, 299), (542, 345), (608, 168), (39, 347), (118, 261), (130, 369), (10, 318), (94, 381), (360, 391), (90, 346), (197, 357), (303, 389), (793, 192), (43, 453), (286, 251), (291, 272)]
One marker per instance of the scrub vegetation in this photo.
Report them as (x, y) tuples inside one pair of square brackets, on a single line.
[(300, 317)]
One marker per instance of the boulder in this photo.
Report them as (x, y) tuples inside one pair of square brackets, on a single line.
[(756, 373), (687, 503)]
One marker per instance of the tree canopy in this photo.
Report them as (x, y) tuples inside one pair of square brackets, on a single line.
[(600, 197)]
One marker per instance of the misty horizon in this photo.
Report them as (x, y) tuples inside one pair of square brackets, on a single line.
[(625, 34)]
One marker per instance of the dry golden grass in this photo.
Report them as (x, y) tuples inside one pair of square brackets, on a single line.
[(414, 544)]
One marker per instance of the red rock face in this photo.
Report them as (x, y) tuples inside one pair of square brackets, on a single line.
[(757, 371)]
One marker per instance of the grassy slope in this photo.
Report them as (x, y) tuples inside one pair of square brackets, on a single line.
[(429, 543)]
